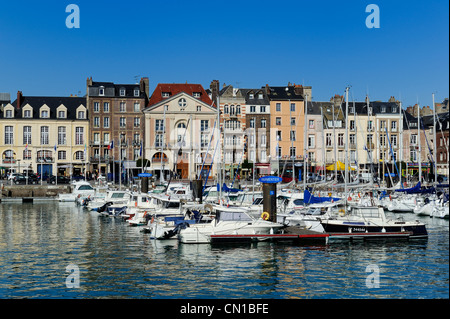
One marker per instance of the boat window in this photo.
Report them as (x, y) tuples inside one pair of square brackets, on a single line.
[(134, 199), (258, 201), (117, 195), (85, 188), (171, 204), (233, 216), (298, 201)]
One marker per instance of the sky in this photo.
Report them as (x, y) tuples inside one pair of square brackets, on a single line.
[(248, 44)]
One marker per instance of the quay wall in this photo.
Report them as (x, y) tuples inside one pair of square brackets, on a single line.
[(33, 191)]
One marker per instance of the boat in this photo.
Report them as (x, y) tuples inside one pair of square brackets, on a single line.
[(370, 220), (230, 224), (167, 227), (80, 189), (116, 197), (162, 205)]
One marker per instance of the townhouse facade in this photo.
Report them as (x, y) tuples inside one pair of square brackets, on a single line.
[(116, 125), (47, 135), (180, 132)]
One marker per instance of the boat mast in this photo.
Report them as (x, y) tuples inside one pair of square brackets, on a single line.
[(161, 177), (334, 142), (346, 144), (305, 144), (419, 157), (434, 142), (219, 172), (400, 127)]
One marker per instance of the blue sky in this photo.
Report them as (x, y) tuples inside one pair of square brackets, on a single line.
[(325, 44)]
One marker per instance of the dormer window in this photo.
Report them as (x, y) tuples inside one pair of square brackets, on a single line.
[(122, 92), (8, 114), (61, 114), (136, 92), (165, 94), (81, 115), (44, 114), (196, 94), (251, 96), (383, 109), (27, 114), (101, 91), (260, 96)]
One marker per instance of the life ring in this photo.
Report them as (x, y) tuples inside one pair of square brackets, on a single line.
[(265, 216), (349, 198)]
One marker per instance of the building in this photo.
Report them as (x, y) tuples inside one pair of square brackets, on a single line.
[(45, 134), (116, 125), (181, 132), (287, 114), (257, 122)]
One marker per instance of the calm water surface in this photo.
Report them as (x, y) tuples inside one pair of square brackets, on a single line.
[(38, 241)]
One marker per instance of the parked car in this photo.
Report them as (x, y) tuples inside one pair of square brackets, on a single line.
[(61, 179), (19, 179), (32, 178)]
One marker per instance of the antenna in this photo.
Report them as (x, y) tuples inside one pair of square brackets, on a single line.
[(136, 78)]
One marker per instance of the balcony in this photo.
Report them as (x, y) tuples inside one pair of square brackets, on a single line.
[(46, 159), (101, 159)]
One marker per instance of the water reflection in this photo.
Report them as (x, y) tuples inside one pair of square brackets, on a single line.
[(38, 241)]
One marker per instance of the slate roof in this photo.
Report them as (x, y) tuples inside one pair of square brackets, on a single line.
[(279, 93), (113, 90), (255, 100), (53, 102)]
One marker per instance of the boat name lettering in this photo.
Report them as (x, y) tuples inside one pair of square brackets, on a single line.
[(358, 229)]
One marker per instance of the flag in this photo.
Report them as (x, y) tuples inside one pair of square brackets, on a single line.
[(26, 147), (55, 147), (140, 150), (111, 145)]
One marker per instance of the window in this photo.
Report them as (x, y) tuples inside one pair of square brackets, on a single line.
[(44, 135), (394, 126), (292, 151), (225, 109), (311, 141), (106, 107), (382, 139), (312, 156), (199, 108), (79, 135), (81, 115), (122, 92), (26, 135), (263, 140), (278, 135), (231, 109), (292, 120), (44, 114), (341, 139), (278, 107), (370, 141), (181, 125), (352, 125), (204, 125), (382, 124), (292, 136), (238, 109), (158, 140), (61, 114), (137, 107), (352, 139), (413, 155), (61, 155), (279, 151), (262, 109), (165, 94), (136, 138), (394, 140), (182, 103), (278, 121), (122, 107), (96, 107), (106, 122), (252, 123), (61, 135), (27, 154), (79, 155), (9, 135), (122, 122), (252, 109), (251, 96), (413, 140), (106, 138), (203, 140), (137, 122), (8, 114), (370, 126), (159, 125), (196, 94), (383, 109), (328, 139), (27, 114), (101, 91), (96, 121), (311, 124), (292, 107), (97, 138), (136, 92), (260, 96), (263, 123)]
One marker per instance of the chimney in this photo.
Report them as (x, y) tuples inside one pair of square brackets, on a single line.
[(298, 89), (144, 86), (267, 89), (19, 99), (214, 87)]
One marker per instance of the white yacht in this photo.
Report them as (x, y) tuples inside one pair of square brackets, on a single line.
[(80, 189)]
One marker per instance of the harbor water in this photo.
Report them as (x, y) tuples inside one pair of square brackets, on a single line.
[(42, 242)]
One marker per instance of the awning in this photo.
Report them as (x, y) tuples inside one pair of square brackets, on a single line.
[(340, 167)]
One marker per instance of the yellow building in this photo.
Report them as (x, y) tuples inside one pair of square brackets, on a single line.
[(44, 134)]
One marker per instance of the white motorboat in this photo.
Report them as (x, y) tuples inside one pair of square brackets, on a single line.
[(229, 222), (370, 220), (80, 189), (162, 205), (402, 204), (115, 198)]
